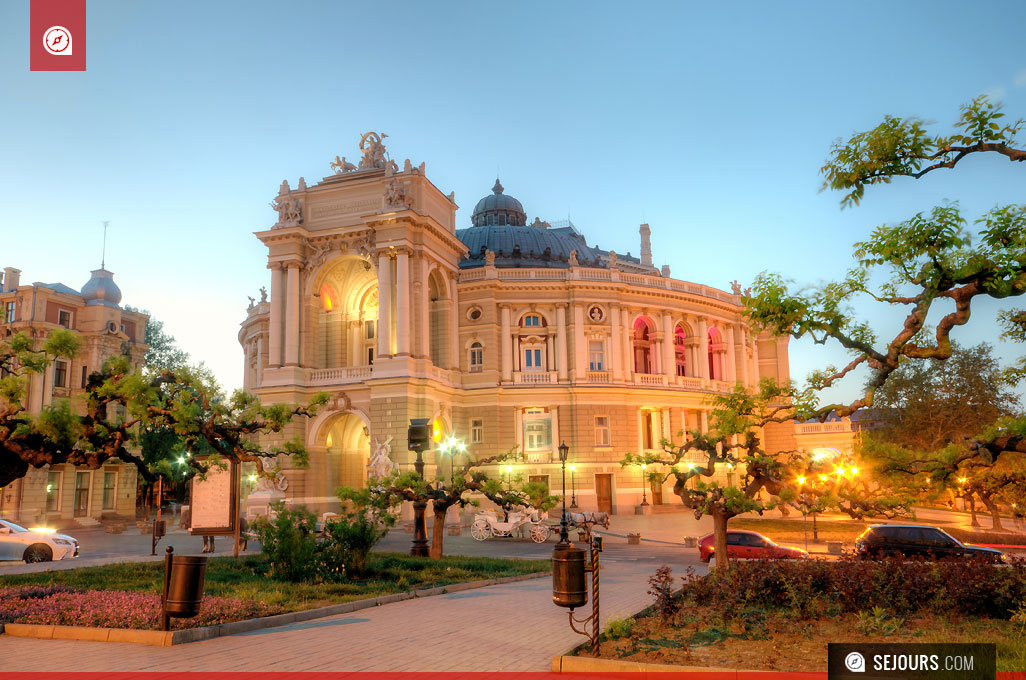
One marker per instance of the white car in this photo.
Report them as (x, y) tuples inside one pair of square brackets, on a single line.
[(34, 545)]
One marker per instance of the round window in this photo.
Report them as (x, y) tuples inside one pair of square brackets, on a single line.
[(474, 313)]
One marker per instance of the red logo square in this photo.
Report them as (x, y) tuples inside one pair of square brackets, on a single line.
[(57, 35)]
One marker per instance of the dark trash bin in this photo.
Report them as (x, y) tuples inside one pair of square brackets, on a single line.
[(185, 591)]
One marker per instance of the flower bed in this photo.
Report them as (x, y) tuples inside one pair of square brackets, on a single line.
[(781, 614), (66, 606)]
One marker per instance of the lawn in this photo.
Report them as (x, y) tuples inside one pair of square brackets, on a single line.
[(244, 579)]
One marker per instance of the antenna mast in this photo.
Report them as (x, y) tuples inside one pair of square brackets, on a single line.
[(103, 257)]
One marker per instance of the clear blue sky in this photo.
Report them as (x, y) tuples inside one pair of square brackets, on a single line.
[(709, 121)]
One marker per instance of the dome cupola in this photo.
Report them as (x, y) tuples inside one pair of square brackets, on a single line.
[(101, 289), (498, 209)]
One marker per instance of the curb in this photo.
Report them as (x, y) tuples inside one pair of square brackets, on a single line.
[(161, 638), (585, 664)]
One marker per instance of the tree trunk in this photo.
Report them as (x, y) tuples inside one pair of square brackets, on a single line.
[(438, 532), (720, 540), (972, 509), (995, 513)]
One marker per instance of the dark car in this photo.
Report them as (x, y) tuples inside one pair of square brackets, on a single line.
[(749, 545), (913, 540)]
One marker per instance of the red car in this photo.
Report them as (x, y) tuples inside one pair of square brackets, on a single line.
[(749, 545)]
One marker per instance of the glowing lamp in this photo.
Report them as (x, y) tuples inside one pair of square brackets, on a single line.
[(801, 480)]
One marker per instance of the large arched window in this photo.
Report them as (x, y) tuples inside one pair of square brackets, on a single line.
[(680, 350), (716, 352), (642, 345)]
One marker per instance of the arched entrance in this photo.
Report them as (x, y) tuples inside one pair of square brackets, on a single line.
[(347, 314), (347, 444), (440, 313)]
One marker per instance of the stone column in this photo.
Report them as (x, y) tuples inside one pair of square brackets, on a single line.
[(731, 374), (507, 344), (356, 343), (580, 346), (616, 353), (757, 369), (704, 420), (561, 356), (454, 324), (703, 349), (628, 346), (402, 303), (384, 305), (293, 300), (745, 378), (277, 303), (260, 361), (550, 362), (424, 309), (47, 385), (669, 351)]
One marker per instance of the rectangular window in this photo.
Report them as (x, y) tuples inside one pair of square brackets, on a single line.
[(109, 489), (533, 359), (53, 491), (597, 356), (476, 358), (602, 431), (370, 356), (476, 430), (537, 430), (368, 327), (539, 479), (85, 377), (647, 435), (60, 373), (81, 494), (11, 309), (64, 318)]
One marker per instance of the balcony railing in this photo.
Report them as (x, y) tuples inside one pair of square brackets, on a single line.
[(824, 428), (538, 456), (339, 376), (539, 378), (600, 376), (650, 379)]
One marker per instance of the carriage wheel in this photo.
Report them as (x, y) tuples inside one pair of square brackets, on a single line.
[(480, 530), (539, 533)]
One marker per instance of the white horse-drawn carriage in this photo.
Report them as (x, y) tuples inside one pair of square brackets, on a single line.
[(487, 524)]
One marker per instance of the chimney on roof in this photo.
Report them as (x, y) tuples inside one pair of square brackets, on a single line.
[(12, 279), (646, 245)]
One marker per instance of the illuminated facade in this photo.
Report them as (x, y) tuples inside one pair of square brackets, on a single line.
[(505, 332)]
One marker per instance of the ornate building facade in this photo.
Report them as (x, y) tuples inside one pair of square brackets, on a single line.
[(505, 333), (64, 494)]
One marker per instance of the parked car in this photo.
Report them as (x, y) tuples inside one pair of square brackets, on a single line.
[(34, 545), (913, 540), (748, 545)]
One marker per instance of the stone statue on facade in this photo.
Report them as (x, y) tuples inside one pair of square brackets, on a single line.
[(612, 260), (490, 258), (573, 258), (381, 464), (373, 148), (252, 303), (340, 166), (735, 287), (263, 294), (396, 196), (290, 212)]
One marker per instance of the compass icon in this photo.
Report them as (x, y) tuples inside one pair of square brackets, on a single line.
[(57, 41)]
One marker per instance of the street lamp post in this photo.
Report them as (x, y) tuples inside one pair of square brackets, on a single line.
[(418, 439), (573, 488), (509, 477), (564, 533), (644, 496)]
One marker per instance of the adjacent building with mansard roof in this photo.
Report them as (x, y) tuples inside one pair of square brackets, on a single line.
[(502, 330)]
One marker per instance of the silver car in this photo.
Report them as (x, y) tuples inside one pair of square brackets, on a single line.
[(34, 545)]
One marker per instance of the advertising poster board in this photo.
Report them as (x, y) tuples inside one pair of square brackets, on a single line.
[(215, 502)]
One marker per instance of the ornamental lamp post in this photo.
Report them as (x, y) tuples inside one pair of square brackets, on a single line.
[(644, 496), (564, 534), (573, 487), (418, 439), (509, 476)]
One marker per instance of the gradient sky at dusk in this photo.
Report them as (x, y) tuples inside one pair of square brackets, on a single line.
[(708, 121)]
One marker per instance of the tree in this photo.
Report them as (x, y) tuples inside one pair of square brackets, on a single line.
[(930, 404), (930, 261), (393, 490), (117, 403), (786, 477), (163, 353)]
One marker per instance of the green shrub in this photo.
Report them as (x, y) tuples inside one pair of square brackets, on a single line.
[(290, 543), (619, 628), (347, 542), (877, 622)]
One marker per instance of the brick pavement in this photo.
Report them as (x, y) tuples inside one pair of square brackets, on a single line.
[(510, 627)]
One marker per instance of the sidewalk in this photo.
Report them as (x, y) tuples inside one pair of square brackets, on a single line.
[(510, 627)]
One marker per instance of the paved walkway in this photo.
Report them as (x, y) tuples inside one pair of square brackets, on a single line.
[(510, 627)]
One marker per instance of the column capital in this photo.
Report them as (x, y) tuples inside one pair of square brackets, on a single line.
[(293, 264)]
